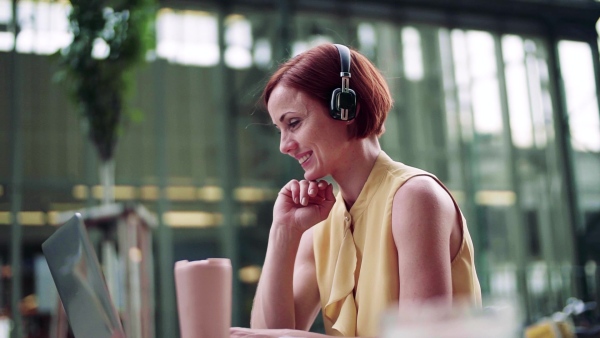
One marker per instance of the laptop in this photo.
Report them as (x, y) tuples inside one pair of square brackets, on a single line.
[(81, 286)]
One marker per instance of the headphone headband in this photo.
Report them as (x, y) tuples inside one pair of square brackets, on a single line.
[(344, 60)]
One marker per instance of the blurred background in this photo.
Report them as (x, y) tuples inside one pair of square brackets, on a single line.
[(497, 98)]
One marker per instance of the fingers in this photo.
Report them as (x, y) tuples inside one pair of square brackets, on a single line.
[(294, 187), (322, 185), (303, 192), (304, 186)]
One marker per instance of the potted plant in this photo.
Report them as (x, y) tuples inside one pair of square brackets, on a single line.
[(110, 38)]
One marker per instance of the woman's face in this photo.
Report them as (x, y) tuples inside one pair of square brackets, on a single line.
[(308, 133)]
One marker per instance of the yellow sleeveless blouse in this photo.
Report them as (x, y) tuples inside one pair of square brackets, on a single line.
[(357, 271)]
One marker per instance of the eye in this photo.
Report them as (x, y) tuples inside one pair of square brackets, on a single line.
[(293, 123)]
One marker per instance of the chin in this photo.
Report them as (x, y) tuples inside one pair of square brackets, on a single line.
[(312, 176)]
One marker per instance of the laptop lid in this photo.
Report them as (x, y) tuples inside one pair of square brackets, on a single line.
[(76, 272)]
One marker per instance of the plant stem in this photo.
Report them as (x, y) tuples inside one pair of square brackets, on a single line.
[(107, 180)]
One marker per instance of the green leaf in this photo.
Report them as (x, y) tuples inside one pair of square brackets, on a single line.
[(100, 88), (136, 116)]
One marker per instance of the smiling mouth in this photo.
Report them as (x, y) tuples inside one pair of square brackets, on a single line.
[(304, 158)]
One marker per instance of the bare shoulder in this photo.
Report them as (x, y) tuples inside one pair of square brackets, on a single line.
[(421, 187), (423, 221), (422, 201)]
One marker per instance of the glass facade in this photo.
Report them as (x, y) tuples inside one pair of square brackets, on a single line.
[(484, 110)]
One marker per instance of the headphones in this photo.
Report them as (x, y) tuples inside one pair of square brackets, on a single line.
[(343, 100)]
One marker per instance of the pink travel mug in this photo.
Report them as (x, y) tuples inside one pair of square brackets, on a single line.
[(204, 297)]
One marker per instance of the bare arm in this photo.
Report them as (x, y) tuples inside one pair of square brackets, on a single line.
[(273, 306), (239, 332), (427, 233), (287, 295), (306, 290)]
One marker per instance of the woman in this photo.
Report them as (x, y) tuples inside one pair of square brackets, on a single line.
[(392, 235)]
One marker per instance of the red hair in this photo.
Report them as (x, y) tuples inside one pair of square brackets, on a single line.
[(316, 72)]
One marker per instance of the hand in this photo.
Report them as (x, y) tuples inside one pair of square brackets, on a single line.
[(237, 332), (302, 204)]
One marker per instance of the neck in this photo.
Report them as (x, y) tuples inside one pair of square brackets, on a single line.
[(351, 177)]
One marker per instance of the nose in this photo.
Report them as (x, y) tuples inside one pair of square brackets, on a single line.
[(287, 143)]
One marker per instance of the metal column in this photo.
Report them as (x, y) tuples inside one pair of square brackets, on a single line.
[(167, 309), (565, 158), (516, 226), (465, 156), (593, 42), (228, 162), (469, 156), (16, 191), (282, 52), (283, 47)]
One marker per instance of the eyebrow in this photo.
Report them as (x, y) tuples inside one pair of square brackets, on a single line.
[(283, 116)]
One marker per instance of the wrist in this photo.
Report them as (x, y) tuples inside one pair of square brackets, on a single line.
[(285, 234)]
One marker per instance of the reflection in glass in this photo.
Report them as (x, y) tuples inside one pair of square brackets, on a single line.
[(535, 72), (262, 53), (187, 37), (101, 49), (43, 27), (580, 90), (516, 87), (462, 82), (413, 58), (238, 38), (367, 39), (299, 47), (484, 84), (7, 41), (5, 12)]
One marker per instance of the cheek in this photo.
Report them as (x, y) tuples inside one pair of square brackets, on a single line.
[(336, 132)]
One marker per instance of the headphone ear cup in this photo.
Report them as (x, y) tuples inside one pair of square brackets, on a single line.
[(341, 100), (334, 109)]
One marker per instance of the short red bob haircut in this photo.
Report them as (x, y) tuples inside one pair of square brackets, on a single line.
[(316, 72)]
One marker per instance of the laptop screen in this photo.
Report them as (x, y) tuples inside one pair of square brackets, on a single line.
[(76, 272)]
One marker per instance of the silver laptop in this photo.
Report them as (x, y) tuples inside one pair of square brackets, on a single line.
[(76, 272)]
